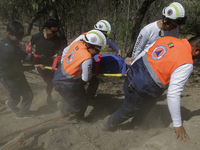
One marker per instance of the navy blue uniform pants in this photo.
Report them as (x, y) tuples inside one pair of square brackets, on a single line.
[(18, 87), (134, 106), (75, 96), (92, 87)]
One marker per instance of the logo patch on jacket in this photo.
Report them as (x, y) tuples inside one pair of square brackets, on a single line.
[(70, 57), (158, 52), (170, 45)]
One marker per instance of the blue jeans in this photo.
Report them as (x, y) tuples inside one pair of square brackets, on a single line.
[(75, 96), (134, 105), (18, 86)]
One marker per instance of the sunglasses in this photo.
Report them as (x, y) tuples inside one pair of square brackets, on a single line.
[(53, 32), (17, 38)]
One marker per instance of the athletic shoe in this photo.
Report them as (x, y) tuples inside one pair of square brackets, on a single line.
[(106, 127), (24, 115), (63, 112), (15, 110)]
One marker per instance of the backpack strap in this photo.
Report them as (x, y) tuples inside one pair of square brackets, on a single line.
[(35, 56), (97, 64), (55, 62)]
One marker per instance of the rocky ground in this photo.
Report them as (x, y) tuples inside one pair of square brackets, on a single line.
[(155, 133)]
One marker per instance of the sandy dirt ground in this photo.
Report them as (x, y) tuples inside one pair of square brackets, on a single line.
[(155, 133)]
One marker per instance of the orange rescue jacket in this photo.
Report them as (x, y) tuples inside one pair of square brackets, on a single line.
[(167, 54), (75, 56)]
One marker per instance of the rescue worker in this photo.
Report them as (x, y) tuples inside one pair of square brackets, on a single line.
[(75, 71), (105, 27), (167, 64), (11, 71), (47, 45), (172, 17)]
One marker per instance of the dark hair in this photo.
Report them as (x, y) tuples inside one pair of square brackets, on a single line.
[(195, 41), (51, 23), (15, 29)]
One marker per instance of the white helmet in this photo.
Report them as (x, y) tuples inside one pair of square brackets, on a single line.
[(103, 26), (175, 12), (96, 38)]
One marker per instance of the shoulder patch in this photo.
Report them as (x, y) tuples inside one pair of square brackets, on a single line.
[(170, 45), (158, 52), (70, 57)]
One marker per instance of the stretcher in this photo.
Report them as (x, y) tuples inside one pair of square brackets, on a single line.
[(104, 65)]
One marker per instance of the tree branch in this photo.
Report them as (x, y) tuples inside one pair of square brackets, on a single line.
[(36, 17)]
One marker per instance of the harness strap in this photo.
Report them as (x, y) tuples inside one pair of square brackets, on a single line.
[(36, 56), (97, 65), (55, 62)]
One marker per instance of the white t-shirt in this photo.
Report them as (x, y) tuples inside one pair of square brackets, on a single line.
[(148, 35)]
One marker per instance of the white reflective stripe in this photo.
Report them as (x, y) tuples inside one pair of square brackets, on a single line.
[(67, 75), (152, 73)]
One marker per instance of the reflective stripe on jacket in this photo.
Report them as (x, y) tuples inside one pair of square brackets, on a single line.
[(140, 79), (73, 59), (167, 54)]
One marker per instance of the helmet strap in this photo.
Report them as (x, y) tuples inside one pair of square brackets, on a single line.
[(167, 22), (86, 37), (160, 33)]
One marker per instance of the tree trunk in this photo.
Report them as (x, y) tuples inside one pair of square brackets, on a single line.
[(138, 21), (61, 30), (35, 18), (127, 25), (97, 10), (115, 19)]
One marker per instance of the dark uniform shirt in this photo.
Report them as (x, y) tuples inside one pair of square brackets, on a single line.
[(11, 56), (46, 47)]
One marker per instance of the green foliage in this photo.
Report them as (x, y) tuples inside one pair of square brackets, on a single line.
[(193, 18), (79, 16)]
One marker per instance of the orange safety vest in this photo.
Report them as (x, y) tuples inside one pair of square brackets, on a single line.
[(75, 56), (167, 54)]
